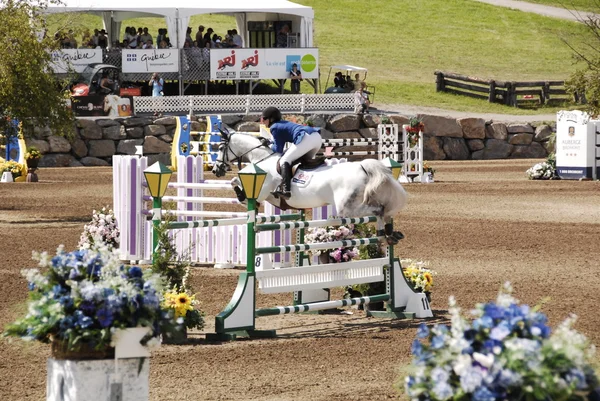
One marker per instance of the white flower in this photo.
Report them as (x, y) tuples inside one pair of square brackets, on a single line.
[(485, 360)]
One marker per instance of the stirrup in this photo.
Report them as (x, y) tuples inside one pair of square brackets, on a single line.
[(280, 194)]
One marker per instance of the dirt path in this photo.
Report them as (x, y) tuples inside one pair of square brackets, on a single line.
[(548, 11), (480, 224)]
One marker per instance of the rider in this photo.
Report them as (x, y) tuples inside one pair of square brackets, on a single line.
[(304, 141)]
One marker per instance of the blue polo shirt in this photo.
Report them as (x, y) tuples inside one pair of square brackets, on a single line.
[(287, 131)]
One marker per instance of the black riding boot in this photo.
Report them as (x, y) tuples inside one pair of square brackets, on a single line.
[(284, 190), (286, 184)]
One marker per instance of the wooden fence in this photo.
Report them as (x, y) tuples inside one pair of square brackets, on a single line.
[(510, 93)]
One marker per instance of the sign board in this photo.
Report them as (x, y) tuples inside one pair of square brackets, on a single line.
[(102, 106), (575, 145), (77, 59), (150, 60), (236, 64)]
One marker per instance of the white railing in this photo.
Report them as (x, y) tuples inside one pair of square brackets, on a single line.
[(302, 103)]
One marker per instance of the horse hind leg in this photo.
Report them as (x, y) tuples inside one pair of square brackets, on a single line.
[(391, 237)]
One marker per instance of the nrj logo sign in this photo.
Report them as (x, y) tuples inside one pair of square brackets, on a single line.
[(251, 61), (228, 61), (306, 63)]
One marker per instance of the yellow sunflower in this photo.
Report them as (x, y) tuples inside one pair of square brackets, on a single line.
[(183, 303)]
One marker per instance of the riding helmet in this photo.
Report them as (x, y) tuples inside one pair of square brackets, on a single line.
[(272, 113)]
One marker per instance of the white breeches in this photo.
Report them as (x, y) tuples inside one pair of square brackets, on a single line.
[(309, 145)]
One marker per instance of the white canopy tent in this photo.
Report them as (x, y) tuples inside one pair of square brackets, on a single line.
[(177, 17)]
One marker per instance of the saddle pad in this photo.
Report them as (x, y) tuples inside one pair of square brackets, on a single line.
[(301, 178)]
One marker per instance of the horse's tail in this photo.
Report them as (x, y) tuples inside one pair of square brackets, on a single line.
[(382, 189)]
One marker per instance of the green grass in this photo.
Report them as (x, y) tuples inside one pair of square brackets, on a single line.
[(402, 43)]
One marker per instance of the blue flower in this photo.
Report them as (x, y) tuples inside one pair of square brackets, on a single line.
[(500, 332), (416, 349), (422, 331), (87, 307), (471, 379), (576, 376), (484, 394), (31, 286), (83, 321), (74, 274), (66, 301), (484, 322), (493, 311), (442, 391), (67, 323), (135, 272), (105, 317), (438, 342)]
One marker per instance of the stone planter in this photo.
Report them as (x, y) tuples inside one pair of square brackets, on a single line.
[(97, 380)]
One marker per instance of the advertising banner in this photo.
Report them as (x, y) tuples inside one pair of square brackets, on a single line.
[(102, 106), (78, 59), (150, 60), (575, 145), (236, 64)]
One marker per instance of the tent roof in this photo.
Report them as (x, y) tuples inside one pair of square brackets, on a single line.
[(184, 8), (348, 67)]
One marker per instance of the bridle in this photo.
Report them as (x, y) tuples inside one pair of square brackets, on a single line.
[(224, 149)]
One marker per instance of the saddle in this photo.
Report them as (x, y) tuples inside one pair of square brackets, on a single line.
[(304, 163)]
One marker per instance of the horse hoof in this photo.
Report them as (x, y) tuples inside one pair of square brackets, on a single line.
[(391, 240), (398, 235)]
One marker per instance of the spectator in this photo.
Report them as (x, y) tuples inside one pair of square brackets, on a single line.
[(131, 37), (216, 41), (102, 39), (106, 84), (163, 45), (237, 39), (188, 37), (361, 100), (339, 80), (295, 78), (200, 36), (148, 44), (145, 37), (357, 82), (282, 36), (157, 84), (207, 37), (206, 52), (95, 37)]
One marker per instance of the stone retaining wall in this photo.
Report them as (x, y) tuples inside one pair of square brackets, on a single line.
[(96, 141)]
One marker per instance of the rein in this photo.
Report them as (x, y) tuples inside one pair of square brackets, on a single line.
[(238, 158)]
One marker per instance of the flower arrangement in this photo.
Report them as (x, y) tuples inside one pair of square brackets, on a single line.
[(428, 169), (32, 153), (541, 171), (505, 353), (331, 234), (417, 273), (413, 131), (13, 167), (86, 296), (102, 229), (184, 306)]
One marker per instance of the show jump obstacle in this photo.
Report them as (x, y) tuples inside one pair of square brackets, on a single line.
[(238, 318)]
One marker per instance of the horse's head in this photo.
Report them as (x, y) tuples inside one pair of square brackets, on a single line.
[(223, 157), (238, 147)]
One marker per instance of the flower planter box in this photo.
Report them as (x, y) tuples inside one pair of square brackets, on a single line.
[(95, 380)]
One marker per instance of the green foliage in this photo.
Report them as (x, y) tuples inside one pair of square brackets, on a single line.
[(371, 251), (167, 262), (29, 90), (173, 267)]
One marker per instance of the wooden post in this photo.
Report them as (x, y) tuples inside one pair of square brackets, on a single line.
[(439, 82), (492, 95)]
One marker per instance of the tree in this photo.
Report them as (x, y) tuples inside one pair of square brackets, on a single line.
[(584, 83), (29, 90)]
